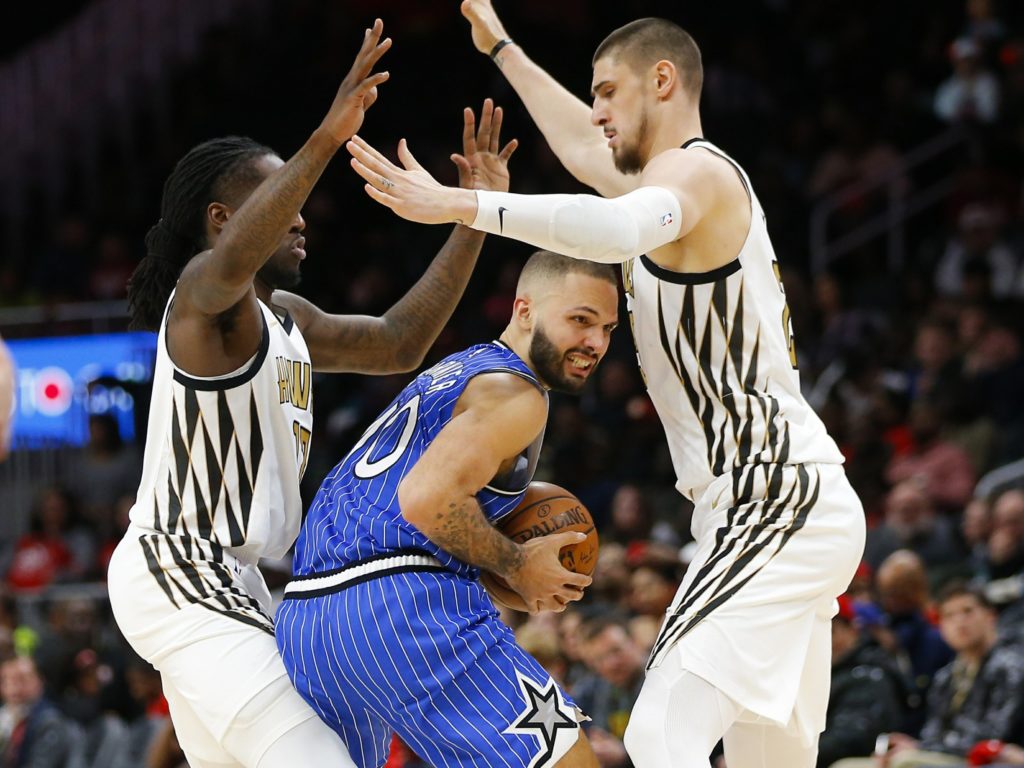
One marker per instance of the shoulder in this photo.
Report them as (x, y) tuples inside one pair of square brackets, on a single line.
[(1005, 661), (504, 388), (303, 312), (693, 162), (694, 172)]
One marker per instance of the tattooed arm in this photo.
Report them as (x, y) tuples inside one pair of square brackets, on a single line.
[(216, 280), (497, 416), (398, 341)]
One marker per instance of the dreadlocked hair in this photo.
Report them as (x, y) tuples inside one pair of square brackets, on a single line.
[(209, 172)]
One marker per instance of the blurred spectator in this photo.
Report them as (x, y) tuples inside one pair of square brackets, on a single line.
[(911, 523), (995, 369), (652, 588), (541, 642), (982, 25), (33, 732), (142, 732), (632, 520), (942, 469), (978, 242), (165, 751), (975, 528), (867, 694), (571, 645), (56, 548), (608, 692), (937, 371), (909, 634), (977, 697), (972, 92), (106, 470), (1005, 545), (72, 625)]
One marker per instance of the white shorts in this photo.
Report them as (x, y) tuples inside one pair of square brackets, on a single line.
[(775, 546), (213, 645)]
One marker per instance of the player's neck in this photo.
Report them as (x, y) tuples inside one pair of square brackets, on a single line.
[(519, 344), (264, 292), (679, 127)]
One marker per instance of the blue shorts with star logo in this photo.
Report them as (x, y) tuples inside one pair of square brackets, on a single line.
[(421, 651)]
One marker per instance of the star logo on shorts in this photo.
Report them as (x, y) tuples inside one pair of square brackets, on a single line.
[(546, 712)]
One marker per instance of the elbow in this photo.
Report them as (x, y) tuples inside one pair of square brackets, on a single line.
[(414, 505), (407, 362), (408, 357)]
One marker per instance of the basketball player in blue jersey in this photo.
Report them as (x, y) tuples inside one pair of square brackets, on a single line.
[(386, 626), (231, 416), (744, 653)]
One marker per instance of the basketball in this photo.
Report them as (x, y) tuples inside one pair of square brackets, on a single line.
[(546, 508)]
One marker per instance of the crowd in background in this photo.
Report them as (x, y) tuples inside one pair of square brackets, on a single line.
[(915, 365)]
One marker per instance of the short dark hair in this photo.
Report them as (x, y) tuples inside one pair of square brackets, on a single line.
[(596, 625), (546, 266), (955, 589), (644, 42), (215, 170)]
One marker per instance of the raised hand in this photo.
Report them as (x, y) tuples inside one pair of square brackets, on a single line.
[(482, 165), (409, 191), (358, 91), (487, 28), (542, 581)]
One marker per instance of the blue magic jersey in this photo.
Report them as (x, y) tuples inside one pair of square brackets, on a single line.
[(355, 515)]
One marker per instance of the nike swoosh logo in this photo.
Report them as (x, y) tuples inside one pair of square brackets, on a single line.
[(501, 218)]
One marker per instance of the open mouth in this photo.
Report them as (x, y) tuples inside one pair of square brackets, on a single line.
[(580, 363)]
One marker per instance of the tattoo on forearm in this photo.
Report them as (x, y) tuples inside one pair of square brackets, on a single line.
[(268, 213), (463, 530), (417, 319)]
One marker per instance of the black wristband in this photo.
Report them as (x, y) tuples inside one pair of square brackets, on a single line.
[(498, 46)]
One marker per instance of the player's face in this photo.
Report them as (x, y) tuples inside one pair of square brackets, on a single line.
[(572, 330), (282, 270), (621, 111)]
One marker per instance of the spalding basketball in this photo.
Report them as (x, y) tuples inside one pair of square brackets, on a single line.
[(546, 508)]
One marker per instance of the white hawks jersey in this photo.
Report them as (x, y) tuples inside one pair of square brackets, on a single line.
[(224, 455), (717, 353)]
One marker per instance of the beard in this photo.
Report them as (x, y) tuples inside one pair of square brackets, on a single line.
[(627, 158), (281, 271), (549, 362)]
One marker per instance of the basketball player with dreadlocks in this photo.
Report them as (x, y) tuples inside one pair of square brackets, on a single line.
[(230, 420), (745, 649)]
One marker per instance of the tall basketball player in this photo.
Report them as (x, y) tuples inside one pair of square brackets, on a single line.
[(386, 626), (230, 420), (744, 652)]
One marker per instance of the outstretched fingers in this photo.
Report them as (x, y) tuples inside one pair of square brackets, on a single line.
[(373, 173), (406, 157), (360, 149), (381, 196), (483, 134), (506, 153), (373, 47), (499, 113), (468, 132)]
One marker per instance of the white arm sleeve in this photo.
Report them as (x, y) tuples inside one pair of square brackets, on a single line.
[(583, 226)]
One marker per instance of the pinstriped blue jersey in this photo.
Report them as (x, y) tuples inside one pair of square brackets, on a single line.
[(355, 515)]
